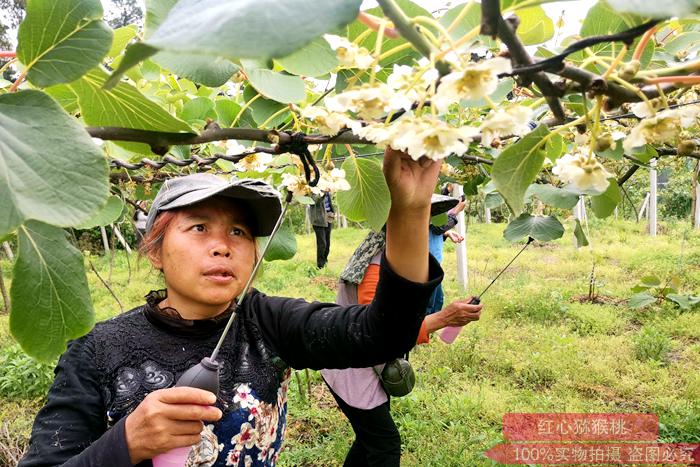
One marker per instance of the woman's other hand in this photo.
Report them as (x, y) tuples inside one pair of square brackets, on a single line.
[(454, 236), (411, 183), (167, 419), (457, 313)]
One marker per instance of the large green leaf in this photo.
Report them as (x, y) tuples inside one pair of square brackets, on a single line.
[(314, 59), (262, 109), (198, 110), (641, 299), (604, 204), (50, 295), (156, 11), (50, 170), (517, 166), (122, 36), (122, 106), (553, 196), (542, 228), (109, 213), (535, 26), (206, 70), (249, 29), (368, 198), (59, 41), (277, 86), (283, 246)]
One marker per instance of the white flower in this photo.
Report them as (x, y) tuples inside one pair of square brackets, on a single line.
[(247, 437), (585, 174), (378, 133), (333, 181), (244, 397), (503, 122), (663, 128), (369, 101), (328, 123), (688, 115), (234, 148), (475, 81), (296, 184), (408, 86), (254, 163), (644, 109), (431, 138), (349, 54)]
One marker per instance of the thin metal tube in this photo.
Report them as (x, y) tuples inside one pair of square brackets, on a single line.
[(529, 240)]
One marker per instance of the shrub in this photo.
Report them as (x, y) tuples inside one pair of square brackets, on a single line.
[(23, 377)]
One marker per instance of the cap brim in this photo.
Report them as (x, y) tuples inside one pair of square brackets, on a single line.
[(440, 204), (262, 200)]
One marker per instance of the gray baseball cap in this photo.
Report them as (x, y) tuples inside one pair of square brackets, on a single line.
[(262, 200)]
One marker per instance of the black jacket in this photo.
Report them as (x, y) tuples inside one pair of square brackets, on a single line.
[(104, 375)]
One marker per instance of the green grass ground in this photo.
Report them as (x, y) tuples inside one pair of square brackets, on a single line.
[(539, 346)]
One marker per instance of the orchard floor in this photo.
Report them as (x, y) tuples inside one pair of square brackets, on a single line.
[(540, 345)]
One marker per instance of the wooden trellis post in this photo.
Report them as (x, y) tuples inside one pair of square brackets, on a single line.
[(652, 198), (461, 248), (487, 215), (105, 240), (644, 208), (121, 239), (579, 212)]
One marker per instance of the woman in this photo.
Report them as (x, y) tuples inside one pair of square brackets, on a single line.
[(112, 402), (358, 391)]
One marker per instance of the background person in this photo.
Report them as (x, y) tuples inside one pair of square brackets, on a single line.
[(322, 215)]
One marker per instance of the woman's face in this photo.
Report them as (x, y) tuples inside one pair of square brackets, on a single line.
[(207, 256)]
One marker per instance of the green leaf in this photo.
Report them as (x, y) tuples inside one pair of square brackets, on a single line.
[(122, 106), (49, 293), (64, 96), (368, 199), (535, 26), (206, 70), (135, 53), (59, 41), (553, 196), (493, 200), (540, 228), (517, 166), (614, 154), (122, 36), (226, 111), (686, 302), (262, 109), (283, 246), (314, 59), (109, 213), (580, 235), (471, 20), (640, 300), (604, 204), (650, 281), (439, 220), (156, 11), (50, 169), (277, 86), (645, 153), (260, 29), (556, 147), (198, 110)]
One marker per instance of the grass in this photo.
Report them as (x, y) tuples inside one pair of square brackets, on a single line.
[(539, 346)]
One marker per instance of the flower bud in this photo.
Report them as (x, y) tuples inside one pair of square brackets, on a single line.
[(329, 166), (686, 147), (603, 142), (629, 70)]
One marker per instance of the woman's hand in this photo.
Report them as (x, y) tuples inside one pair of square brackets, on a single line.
[(167, 419), (454, 236), (457, 313), (411, 183)]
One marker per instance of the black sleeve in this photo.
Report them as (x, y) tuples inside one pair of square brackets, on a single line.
[(451, 222), (325, 335), (70, 429)]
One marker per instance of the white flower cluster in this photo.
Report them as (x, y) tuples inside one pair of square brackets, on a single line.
[(664, 127), (349, 55), (332, 181), (418, 132), (583, 173)]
